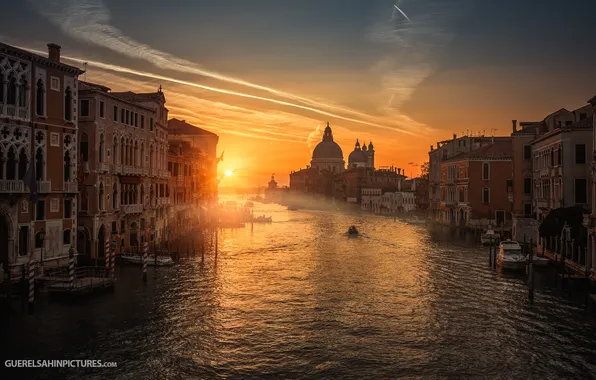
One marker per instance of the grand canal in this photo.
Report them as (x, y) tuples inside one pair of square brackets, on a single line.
[(299, 299)]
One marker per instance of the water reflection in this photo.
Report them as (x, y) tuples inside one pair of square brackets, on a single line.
[(298, 298)]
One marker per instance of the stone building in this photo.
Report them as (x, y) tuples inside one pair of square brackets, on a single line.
[(327, 155), (362, 157), (123, 178), (38, 147)]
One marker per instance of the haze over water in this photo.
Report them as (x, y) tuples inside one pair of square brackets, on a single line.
[(299, 299)]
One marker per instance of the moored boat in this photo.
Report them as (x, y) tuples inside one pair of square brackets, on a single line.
[(415, 220), (161, 260), (352, 231), (485, 237), (511, 256)]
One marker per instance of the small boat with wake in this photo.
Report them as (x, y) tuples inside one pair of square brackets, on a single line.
[(352, 231), (415, 220)]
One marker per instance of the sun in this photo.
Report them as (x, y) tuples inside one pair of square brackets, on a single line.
[(228, 173)]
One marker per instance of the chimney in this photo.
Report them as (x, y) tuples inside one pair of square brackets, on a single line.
[(454, 136), (514, 123), (54, 52), (431, 148)]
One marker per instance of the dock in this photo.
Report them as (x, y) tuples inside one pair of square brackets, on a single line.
[(86, 280)]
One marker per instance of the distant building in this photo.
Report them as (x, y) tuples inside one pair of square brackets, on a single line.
[(327, 155), (362, 157), (372, 199)]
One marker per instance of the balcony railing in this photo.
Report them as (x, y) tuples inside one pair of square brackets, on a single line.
[(544, 172), (154, 172), (117, 169), (164, 174), (71, 187), (180, 180), (132, 170), (132, 208), (44, 187), (103, 166), (145, 171), (163, 201), (11, 186)]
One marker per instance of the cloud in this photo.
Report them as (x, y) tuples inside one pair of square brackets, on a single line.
[(314, 137), (89, 21)]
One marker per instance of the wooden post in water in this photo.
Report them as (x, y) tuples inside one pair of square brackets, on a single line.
[(216, 240), (106, 255), (202, 245), (144, 259), (490, 253), (531, 274), (31, 286)]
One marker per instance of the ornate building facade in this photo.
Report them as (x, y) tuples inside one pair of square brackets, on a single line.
[(123, 178), (327, 155), (38, 106)]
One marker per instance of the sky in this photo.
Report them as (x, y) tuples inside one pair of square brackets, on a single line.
[(267, 75)]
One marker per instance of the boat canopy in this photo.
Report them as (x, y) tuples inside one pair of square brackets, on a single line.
[(510, 245)]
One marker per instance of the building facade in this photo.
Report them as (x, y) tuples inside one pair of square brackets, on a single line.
[(38, 105), (327, 155), (122, 179)]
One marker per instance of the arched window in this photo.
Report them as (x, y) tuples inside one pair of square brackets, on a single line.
[(23, 93), (67, 104), (114, 196), (23, 161), (485, 171), (39, 165), (1, 87), (39, 98), (122, 152), (84, 147), (142, 157), (11, 96), (11, 164), (1, 163), (66, 239), (142, 194), (151, 157), (115, 151), (101, 147), (136, 155), (101, 197), (67, 167), (552, 157)]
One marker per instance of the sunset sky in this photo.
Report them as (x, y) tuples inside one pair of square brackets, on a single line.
[(266, 75)]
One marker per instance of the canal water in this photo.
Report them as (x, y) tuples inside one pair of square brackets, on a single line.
[(297, 298)]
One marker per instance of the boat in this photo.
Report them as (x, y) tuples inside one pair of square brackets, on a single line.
[(292, 208), (352, 231), (511, 256), (162, 260), (485, 237), (262, 219), (539, 261), (415, 220)]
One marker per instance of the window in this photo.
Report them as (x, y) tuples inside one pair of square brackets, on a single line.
[(66, 237), (84, 147), (101, 197), (582, 116), (40, 98), (122, 114), (527, 185), (568, 122), (486, 195), (24, 240), (38, 241), (67, 167), (527, 209), (500, 217), (151, 124), (23, 93), (55, 83), (560, 156), (11, 94), (142, 121), (527, 152), (67, 104), (115, 113), (102, 109), (122, 226), (39, 165), (84, 107), (581, 190), (136, 119), (114, 227), (40, 209), (485, 171), (127, 117), (580, 153), (68, 208)]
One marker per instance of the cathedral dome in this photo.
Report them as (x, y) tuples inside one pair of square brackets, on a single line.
[(327, 149), (357, 156)]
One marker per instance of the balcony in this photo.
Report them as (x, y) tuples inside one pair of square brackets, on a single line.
[(556, 171), (11, 186), (103, 167), (180, 180), (544, 172), (71, 187), (117, 169), (163, 201), (132, 208), (44, 187), (132, 170), (164, 174), (154, 172), (145, 172)]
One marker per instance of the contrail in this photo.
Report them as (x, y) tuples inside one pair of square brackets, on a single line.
[(402, 12), (145, 74)]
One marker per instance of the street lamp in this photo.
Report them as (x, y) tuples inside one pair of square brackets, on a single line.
[(42, 237)]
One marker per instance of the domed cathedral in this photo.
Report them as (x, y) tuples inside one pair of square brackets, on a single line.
[(362, 157), (327, 155)]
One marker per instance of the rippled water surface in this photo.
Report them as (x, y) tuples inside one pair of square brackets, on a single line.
[(299, 299)]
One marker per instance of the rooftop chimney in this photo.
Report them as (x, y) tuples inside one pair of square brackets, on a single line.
[(54, 52), (514, 122), (454, 136), (431, 148)]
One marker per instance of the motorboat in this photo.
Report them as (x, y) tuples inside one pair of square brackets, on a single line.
[(262, 219), (485, 237), (415, 220), (160, 260), (352, 231), (511, 256)]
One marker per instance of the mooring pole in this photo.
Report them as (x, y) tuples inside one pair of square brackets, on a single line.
[(106, 255), (490, 253), (216, 240), (113, 259), (71, 268), (531, 273), (31, 286), (144, 259), (493, 242)]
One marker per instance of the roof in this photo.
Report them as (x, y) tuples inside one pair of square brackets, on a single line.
[(585, 123), (157, 96), (592, 100), (500, 149), (529, 127), (181, 127), (94, 86), (24, 54)]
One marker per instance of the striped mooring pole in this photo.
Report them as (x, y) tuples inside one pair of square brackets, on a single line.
[(113, 259), (31, 285), (145, 252), (71, 268), (106, 255)]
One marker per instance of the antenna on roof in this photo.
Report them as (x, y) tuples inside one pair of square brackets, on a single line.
[(85, 75)]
